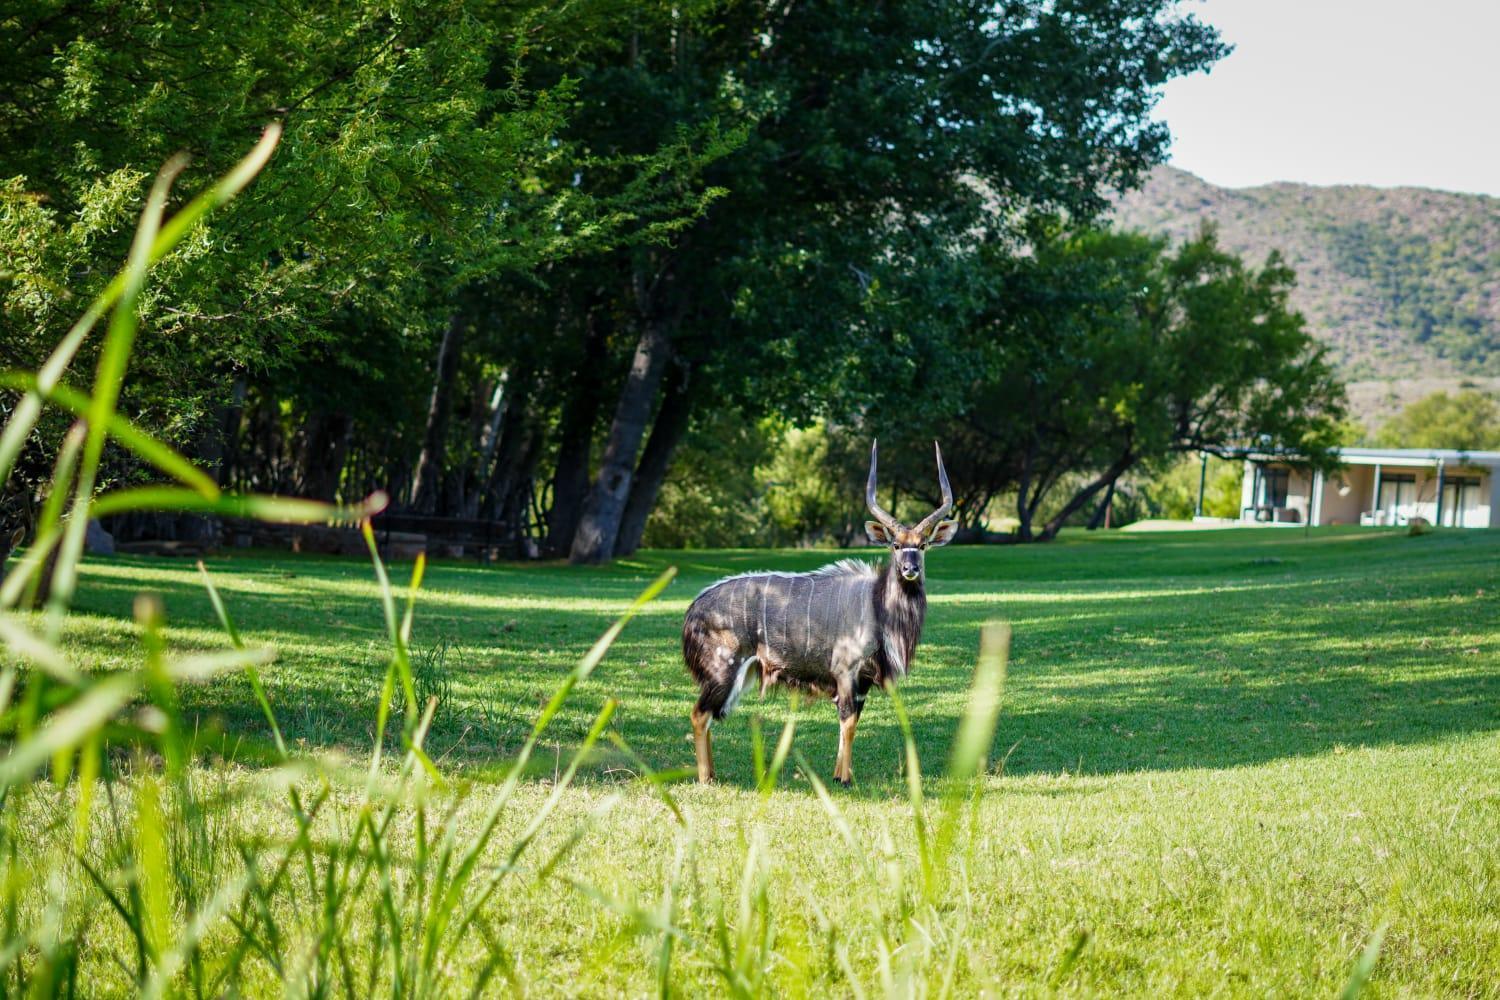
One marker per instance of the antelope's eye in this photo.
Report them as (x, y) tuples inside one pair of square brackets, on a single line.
[(923, 546)]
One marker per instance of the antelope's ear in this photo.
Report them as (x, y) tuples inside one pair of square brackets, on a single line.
[(876, 533), (943, 533)]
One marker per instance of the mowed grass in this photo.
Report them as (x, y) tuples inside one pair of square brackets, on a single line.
[(1225, 760)]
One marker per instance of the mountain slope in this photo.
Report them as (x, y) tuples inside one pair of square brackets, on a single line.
[(1402, 283)]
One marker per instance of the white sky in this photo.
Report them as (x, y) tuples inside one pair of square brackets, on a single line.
[(1387, 92)]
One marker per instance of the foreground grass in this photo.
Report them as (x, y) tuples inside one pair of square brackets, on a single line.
[(1225, 760)]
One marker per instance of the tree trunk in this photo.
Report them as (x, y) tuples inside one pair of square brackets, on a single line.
[(325, 445), (599, 527), (1025, 506), (489, 438), (1097, 521), (1107, 478), (427, 483), (233, 415), (666, 434), (510, 433), (570, 481)]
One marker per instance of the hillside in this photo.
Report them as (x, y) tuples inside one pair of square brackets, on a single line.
[(1402, 283)]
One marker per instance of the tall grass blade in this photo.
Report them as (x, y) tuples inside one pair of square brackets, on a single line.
[(27, 645), (778, 757), (914, 795), (655, 780), (69, 726), (1364, 967), (253, 675), (164, 458), (151, 866), (399, 658), (48, 529), (976, 733), (109, 380), (254, 507)]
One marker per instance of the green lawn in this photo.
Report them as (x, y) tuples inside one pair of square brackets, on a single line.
[(1224, 760)]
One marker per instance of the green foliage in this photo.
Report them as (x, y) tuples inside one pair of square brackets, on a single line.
[(714, 500), (806, 502), (1172, 492), (415, 163), (785, 197), (1105, 350), (1469, 420), (1430, 284)]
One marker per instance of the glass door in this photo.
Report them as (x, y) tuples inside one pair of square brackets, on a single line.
[(1397, 492), (1460, 497)]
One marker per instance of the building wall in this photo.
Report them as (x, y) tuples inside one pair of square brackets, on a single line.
[(1360, 498), (1299, 488), (1346, 509)]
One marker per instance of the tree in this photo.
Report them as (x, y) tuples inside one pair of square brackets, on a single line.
[(1468, 420), (1171, 490), (879, 140), (1103, 351), (510, 257), (417, 170)]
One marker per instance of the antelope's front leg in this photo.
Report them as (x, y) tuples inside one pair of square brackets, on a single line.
[(703, 745), (849, 706)]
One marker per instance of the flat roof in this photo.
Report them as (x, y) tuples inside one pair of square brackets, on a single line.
[(1448, 456), (1398, 456)]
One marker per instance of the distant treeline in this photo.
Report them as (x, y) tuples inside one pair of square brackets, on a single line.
[(509, 261)]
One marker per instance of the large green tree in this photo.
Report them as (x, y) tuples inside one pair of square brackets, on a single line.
[(415, 171), (880, 141), (1103, 352), (509, 258)]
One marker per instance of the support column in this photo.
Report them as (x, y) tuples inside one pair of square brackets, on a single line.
[(1437, 519), (1202, 479), (1315, 502), (1375, 501)]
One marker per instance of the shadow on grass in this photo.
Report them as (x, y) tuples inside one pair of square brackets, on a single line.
[(1132, 652)]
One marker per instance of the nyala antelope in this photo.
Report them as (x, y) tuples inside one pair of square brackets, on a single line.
[(837, 630)]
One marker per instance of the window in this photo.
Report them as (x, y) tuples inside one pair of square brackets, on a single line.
[(1460, 497), (1273, 487), (1397, 493)]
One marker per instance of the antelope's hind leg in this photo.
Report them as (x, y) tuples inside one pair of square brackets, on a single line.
[(710, 657), (723, 683)]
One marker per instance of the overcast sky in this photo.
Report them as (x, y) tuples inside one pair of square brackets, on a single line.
[(1387, 92)]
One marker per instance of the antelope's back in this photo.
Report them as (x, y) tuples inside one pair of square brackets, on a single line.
[(800, 618)]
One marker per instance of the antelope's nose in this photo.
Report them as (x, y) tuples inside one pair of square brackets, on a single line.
[(910, 572)]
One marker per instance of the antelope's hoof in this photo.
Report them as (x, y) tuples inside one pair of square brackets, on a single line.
[(846, 782)]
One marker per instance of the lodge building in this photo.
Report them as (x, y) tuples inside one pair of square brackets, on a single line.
[(1376, 486)]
